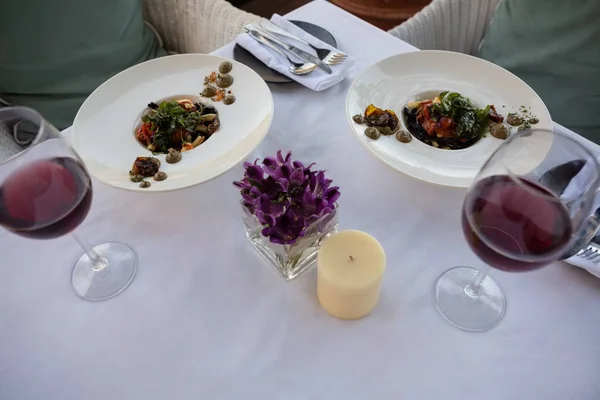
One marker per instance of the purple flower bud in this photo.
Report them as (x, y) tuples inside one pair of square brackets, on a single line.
[(265, 219), (297, 177), (270, 207), (281, 159), (284, 184), (298, 164), (240, 185), (254, 192), (274, 172), (254, 173), (331, 195), (308, 203), (247, 198), (270, 162)]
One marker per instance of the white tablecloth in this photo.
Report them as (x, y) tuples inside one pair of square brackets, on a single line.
[(206, 319)]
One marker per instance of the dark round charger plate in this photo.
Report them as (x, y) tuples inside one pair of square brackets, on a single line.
[(245, 57)]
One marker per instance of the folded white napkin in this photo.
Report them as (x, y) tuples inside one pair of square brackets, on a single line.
[(588, 265), (316, 80), (581, 179)]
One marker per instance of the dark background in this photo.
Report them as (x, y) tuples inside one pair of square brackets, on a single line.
[(384, 14)]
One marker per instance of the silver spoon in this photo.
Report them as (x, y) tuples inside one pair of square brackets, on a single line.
[(295, 67)]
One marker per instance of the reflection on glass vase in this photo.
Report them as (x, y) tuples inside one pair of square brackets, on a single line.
[(290, 260)]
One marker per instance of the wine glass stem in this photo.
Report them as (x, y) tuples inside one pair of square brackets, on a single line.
[(473, 289), (98, 262)]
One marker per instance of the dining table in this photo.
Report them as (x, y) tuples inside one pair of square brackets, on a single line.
[(207, 318)]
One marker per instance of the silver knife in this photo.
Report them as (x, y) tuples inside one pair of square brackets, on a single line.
[(271, 27), (303, 55)]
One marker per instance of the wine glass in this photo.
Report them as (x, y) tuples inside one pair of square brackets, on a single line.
[(46, 192), (518, 216)]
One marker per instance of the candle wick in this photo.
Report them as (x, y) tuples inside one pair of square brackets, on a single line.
[(351, 258)]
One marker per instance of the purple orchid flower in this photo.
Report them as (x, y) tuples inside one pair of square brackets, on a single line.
[(289, 227), (286, 196)]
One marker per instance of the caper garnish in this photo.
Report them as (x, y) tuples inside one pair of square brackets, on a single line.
[(372, 133), (533, 121), (145, 184), (209, 117), (229, 99), (160, 176), (513, 119), (403, 136), (225, 67), (209, 91), (358, 118), (499, 131), (202, 128), (224, 80), (136, 178), (173, 156), (524, 127)]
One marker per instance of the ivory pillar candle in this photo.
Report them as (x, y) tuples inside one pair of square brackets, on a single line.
[(350, 267)]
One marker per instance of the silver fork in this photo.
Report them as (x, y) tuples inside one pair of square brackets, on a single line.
[(329, 57), (587, 245), (591, 253)]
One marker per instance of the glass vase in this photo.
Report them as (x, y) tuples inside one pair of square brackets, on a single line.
[(290, 260)]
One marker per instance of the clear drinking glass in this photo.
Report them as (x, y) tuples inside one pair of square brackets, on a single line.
[(520, 213), (46, 192)]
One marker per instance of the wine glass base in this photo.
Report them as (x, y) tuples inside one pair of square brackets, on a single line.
[(97, 285), (465, 309)]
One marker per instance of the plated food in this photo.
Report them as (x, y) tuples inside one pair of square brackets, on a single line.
[(181, 124), (106, 131), (453, 112), (449, 121)]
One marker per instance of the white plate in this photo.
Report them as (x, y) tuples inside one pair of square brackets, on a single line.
[(390, 83), (103, 131)]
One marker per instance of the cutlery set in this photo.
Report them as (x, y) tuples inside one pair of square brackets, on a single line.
[(274, 37), (587, 244)]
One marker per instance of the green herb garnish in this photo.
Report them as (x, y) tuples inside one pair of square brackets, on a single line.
[(470, 120), (168, 118)]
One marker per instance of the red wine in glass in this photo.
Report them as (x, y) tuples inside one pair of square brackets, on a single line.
[(46, 192), (514, 224), (46, 198)]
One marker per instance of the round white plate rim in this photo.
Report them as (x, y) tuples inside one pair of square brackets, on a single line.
[(425, 174), (237, 154)]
